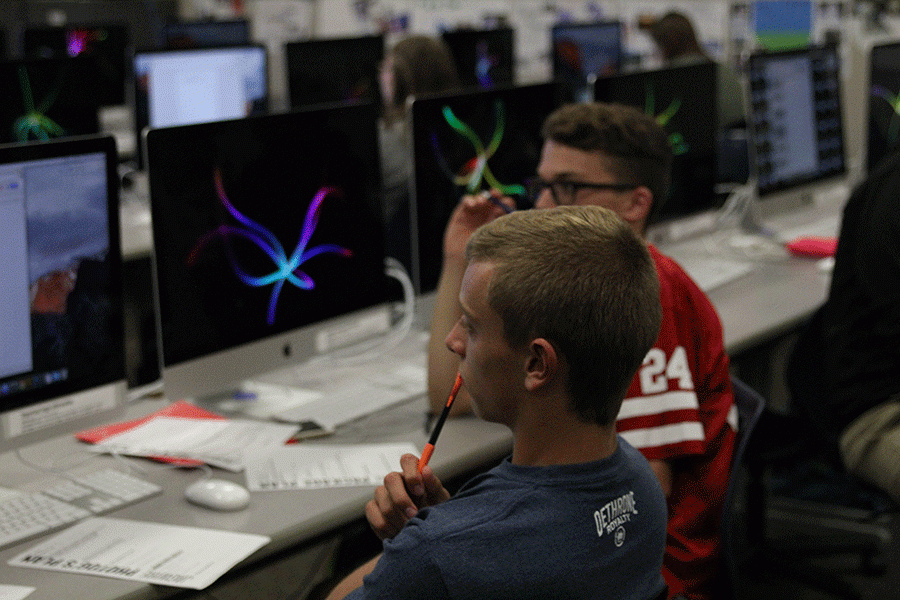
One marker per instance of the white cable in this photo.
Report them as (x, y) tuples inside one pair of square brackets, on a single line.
[(52, 469), (740, 211), (372, 349), (127, 464), (738, 205)]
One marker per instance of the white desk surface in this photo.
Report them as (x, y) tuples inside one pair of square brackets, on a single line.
[(779, 293), (773, 298), (288, 517)]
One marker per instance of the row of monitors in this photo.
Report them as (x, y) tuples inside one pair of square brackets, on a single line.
[(319, 70), (269, 232), (794, 102), (54, 97), (485, 58), (109, 46)]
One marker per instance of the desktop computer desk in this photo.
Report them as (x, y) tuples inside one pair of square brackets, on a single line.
[(774, 297), (780, 292), (777, 295), (295, 520)]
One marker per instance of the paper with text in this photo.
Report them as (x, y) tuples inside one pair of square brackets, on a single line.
[(14, 592), (187, 557), (220, 443), (312, 466)]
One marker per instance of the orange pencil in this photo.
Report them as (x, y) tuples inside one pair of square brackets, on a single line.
[(429, 447)]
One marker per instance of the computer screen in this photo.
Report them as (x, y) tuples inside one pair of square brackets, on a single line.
[(180, 87), (484, 58), (60, 283), (268, 243), (47, 98), (464, 143), (582, 51), (795, 118), (333, 70), (205, 34), (107, 44), (683, 100), (884, 102)]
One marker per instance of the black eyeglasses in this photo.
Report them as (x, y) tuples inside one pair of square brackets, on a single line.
[(564, 192)]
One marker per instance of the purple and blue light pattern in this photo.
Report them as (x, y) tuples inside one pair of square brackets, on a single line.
[(287, 268)]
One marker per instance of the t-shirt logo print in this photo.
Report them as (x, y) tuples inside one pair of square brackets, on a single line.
[(612, 517), (620, 536)]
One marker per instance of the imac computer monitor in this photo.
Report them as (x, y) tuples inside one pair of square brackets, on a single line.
[(584, 51), (484, 58), (205, 34), (268, 243), (47, 98), (683, 101), (795, 120), (468, 142), (62, 355), (884, 102), (106, 44), (333, 70), (197, 85)]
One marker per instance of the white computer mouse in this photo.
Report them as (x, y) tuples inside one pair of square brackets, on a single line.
[(218, 494)]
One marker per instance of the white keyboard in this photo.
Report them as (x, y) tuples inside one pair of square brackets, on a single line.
[(24, 515), (709, 273)]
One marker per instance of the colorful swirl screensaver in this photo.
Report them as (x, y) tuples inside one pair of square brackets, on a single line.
[(35, 124), (285, 268), (676, 139), (476, 171)]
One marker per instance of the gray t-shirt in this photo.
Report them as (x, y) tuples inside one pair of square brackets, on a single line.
[(593, 530)]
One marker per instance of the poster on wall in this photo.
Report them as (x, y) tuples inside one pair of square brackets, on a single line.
[(782, 24), (274, 23)]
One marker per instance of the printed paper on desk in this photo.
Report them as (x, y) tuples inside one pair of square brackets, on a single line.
[(14, 592), (217, 443), (312, 466), (181, 409), (187, 557)]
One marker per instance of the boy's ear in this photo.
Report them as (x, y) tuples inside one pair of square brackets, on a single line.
[(541, 364), (639, 206)]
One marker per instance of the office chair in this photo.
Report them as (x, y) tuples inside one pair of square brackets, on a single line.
[(830, 512), (750, 406)]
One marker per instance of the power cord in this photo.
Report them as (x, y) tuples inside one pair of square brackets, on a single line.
[(370, 350)]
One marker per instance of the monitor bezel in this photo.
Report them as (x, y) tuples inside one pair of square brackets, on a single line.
[(219, 372), (467, 35), (71, 146), (201, 23), (140, 124), (560, 27), (122, 26), (551, 88), (868, 164), (801, 188), (290, 48), (661, 215)]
